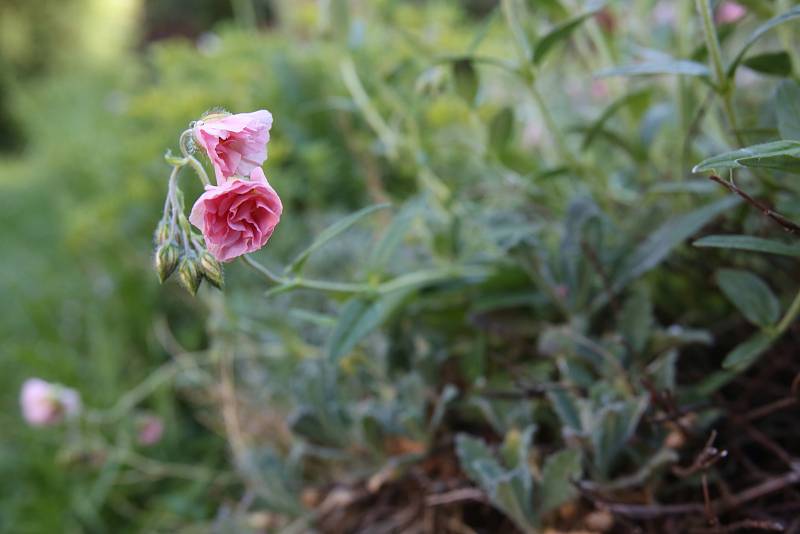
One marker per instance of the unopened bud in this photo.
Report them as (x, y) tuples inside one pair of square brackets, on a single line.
[(162, 233), (166, 261), (212, 270), (189, 273)]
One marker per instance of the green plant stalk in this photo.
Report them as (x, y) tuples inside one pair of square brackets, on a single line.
[(724, 86), (557, 134), (333, 287), (191, 160), (788, 318)]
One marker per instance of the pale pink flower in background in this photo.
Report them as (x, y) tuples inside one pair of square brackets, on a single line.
[(664, 13), (150, 430), (237, 216), (235, 144), (46, 404), (729, 12)]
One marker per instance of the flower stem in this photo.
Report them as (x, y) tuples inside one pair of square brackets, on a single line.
[(723, 83), (789, 317), (333, 287), (191, 160)]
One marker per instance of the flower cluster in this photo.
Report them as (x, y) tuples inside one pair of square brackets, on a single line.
[(235, 216)]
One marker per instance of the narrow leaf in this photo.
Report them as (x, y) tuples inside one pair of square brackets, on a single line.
[(787, 100), (331, 232), (466, 79), (751, 156), (748, 352), (470, 451), (560, 469), (358, 318), (758, 33), (661, 242), (500, 129), (562, 31), (381, 254), (750, 295), (625, 100), (746, 242), (772, 63), (649, 68)]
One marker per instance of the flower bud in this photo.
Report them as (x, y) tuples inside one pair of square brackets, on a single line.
[(162, 233), (166, 261), (189, 273), (212, 270)]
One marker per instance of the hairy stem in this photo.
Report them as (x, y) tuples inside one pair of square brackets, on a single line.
[(191, 160)]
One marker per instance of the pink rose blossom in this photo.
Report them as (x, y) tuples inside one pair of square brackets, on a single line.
[(236, 144), (730, 12), (46, 404), (237, 216), (150, 430)]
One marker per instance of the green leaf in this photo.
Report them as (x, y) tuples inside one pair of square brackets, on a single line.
[(560, 469), (566, 407), (418, 279), (747, 352), (500, 129), (665, 66), (636, 320), (630, 99), (329, 233), (470, 451), (466, 79), (507, 492), (772, 63), (750, 295), (562, 31), (758, 33), (510, 490), (449, 393), (381, 254), (358, 318), (614, 425), (746, 242), (752, 156), (787, 100), (660, 243)]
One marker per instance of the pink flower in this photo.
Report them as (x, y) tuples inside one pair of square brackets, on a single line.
[(150, 430), (236, 144), (730, 12), (237, 216), (46, 404)]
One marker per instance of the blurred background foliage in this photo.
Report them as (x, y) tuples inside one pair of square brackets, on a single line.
[(537, 314)]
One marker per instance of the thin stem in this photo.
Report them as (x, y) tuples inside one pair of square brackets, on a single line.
[(789, 317), (334, 287), (712, 43), (715, 56), (191, 160), (269, 275)]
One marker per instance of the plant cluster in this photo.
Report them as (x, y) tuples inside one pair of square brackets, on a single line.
[(500, 296)]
